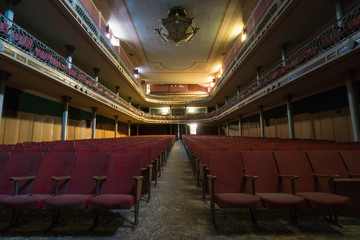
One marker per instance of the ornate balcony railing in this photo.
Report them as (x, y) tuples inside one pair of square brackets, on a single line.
[(96, 33), (331, 37)]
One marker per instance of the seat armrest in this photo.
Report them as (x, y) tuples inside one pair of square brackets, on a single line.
[(289, 176), (59, 178), (292, 178), (252, 178), (22, 178), (211, 186), (99, 179), (356, 175), (138, 187), (18, 179), (326, 175)]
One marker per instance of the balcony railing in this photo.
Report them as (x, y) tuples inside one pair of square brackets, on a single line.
[(334, 35)]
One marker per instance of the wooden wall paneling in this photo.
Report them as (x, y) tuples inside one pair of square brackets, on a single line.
[(233, 130), (71, 129), (48, 128), (57, 121), (26, 127), (297, 126), (327, 125), (272, 128), (80, 130), (2, 129), (12, 130), (351, 134), (283, 128), (341, 126), (38, 128), (306, 126), (316, 125)]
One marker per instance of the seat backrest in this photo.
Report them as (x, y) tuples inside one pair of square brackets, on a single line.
[(120, 172), (262, 164), (112, 149), (351, 159), (3, 158), (327, 162), (52, 164), (227, 166), (296, 163), (204, 153), (18, 164), (86, 166), (145, 151)]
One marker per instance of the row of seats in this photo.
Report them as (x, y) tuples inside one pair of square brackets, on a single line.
[(78, 180), (238, 177)]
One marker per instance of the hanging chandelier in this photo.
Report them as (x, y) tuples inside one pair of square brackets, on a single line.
[(177, 27)]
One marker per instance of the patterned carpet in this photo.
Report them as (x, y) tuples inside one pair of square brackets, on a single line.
[(176, 211)]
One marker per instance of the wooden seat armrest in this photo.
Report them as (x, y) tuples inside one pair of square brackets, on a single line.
[(59, 178), (326, 175), (99, 178), (211, 186), (22, 178), (356, 175), (251, 177), (289, 176), (138, 187), (17, 179)]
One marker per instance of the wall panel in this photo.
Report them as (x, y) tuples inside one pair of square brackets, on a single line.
[(12, 130), (38, 128), (26, 127)]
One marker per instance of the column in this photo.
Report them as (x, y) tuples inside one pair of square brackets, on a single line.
[(96, 73), (283, 54), (129, 100), (129, 128), (353, 105), (240, 127), (339, 11), (219, 129), (206, 110), (117, 88), (93, 125), (258, 74), (70, 50), (261, 119), (170, 110), (4, 76), (137, 129), (178, 132), (116, 124), (66, 100), (227, 128), (290, 116), (238, 90), (9, 13), (216, 107), (170, 129), (226, 100)]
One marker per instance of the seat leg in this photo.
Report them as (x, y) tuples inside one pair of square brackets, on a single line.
[(253, 216), (149, 190), (212, 207), (136, 218), (293, 216), (96, 219), (333, 217), (15, 216), (55, 218), (203, 191)]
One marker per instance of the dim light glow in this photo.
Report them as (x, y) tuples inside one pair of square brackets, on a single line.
[(115, 41), (193, 127), (164, 111), (243, 36), (236, 30), (191, 110)]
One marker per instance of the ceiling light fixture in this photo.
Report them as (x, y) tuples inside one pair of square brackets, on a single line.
[(177, 27)]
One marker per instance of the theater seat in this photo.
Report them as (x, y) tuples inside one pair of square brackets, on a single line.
[(295, 163), (266, 185), (123, 185), (226, 184)]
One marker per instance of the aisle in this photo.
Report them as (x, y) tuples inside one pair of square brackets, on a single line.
[(175, 210)]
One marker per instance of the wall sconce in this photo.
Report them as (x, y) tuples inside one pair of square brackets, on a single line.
[(244, 35), (212, 84), (136, 73)]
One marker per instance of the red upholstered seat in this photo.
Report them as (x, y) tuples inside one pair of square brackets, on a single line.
[(327, 163), (228, 189), (296, 163), (267, 187), (81, 185), (120, 191), (351, 159), (52, 164)]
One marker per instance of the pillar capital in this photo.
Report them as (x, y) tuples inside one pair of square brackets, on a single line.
[(4, 75), (70, 49), (261, 107), (96, 70), (66, 98), (350, 74), (288, 97), (94, 109), (116, 117)]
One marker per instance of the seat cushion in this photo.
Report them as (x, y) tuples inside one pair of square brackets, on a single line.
[(2, 197), (67, 201), (281, 200), (23, 201), (322, 200), (112, 201), (237, 200)]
